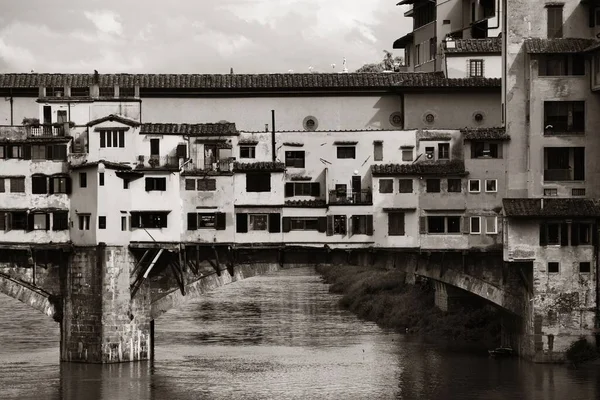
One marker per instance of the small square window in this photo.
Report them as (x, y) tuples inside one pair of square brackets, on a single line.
[(386, 186), (454, 185), (101, 222), (550, 192), (433, 185), (346, 152), (553, 267), (247, 151), (190, 184), (475, 225), (405, 186), (407, 154), (474, 186), (491, 185), (585, 267)]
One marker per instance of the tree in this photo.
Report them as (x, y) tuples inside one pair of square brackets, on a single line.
[(389, 63)]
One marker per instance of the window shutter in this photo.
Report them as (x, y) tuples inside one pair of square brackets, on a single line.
[(26, 152), (148, 184), (287, 224), (329, 225), (51, 185), (102, 139), (595, 234), (121, 139), (574, 234), (181, 151), (241, 223), (7, 222), (369, 225), (220, 221), (68, 187), (351, 223), (315, 189), (422, 224), (192, 221), (322, 224), (543, 235), (49, 152), (29, 222), (55, 221), (564, 234), (289, 189), (466, 224), (274, 222), (47, 222), (482, 68)]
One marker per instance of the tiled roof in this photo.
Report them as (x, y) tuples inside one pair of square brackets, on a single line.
[(485, 134), (218, 129), (559, 45), (551, 208), (114, 117), (305, 203), (439, 168), (238, 82), (489, 45), (594, 46), (107, 164), (266, 166)]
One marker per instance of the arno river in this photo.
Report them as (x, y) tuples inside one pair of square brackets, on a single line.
[(272, 337)]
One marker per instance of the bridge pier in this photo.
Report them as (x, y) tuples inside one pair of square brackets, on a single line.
[(101, 321)]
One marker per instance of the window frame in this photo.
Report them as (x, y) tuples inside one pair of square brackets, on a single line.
[(487, 225), (443, 151), (250, 149), (84, 221), (258, 182), (252, 217), (405, 181), (454, 181), (476, 68), (495, 181), (386, 185), (346, 152), (553, 264), (589, 267), (17, 183), (471, 190), (471, 230), (293, 159), (397, 229), (407, 154)]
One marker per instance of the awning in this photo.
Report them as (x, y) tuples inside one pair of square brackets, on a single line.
[(403, 41)]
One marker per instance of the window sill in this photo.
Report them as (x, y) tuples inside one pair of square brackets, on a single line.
[(564, 133)]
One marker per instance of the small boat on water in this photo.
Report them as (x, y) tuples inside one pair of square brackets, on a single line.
[(502, 352)]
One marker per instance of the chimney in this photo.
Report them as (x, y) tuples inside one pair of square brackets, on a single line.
[(96, 77), (542, 204), (231, 71)]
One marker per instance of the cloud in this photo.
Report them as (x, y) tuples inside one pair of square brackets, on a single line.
[(105, 21), (18, 58)]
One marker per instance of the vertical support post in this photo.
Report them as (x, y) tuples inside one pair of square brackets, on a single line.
[(273, 134), (151, 340)]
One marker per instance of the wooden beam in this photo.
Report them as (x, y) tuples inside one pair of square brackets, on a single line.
[(137, 265), (217, 267), (230, 261), (178, 277), (144, 272)]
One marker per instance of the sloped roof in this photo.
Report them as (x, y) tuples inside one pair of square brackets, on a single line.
[(114, 117), (107, 164), (438, 168), (489, 45), (485, 134), (551, 208), (238, 82), (557, 45), (209, 129)]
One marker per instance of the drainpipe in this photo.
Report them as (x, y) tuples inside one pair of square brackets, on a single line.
[(11, 107), (273, 135)]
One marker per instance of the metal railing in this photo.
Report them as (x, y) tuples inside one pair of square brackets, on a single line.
[(365, 196)]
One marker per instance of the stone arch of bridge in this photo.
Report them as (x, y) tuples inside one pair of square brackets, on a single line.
[(31, 295)]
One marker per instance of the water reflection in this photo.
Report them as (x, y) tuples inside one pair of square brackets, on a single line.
[(280, 336)]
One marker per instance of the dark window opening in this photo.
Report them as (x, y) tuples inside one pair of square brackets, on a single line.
[(378, 151), (564, 163), (80, 91), (60, 221), (294, 159), (485, 150), (362, 225), (346, 152), (475, 68), (149, 219), (154, 147), (247, 151), (101, 222), (17, 185), (555, 21), (386, 186), (39, 184), (433, 186), (454, 185), (82, 179), (562, 65), (553, 267), (405, 186), (190, 184), (443, 224), (302, 189), (258, 182), (207, 185), (564, 117), (101, 179), (159, 184), (585, 267)]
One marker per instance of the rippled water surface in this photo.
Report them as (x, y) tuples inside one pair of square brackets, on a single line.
[(273, 337)]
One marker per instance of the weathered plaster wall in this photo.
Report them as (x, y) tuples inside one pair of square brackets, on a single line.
[(84, 201)]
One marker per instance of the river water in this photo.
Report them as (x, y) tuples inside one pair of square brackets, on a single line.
[(281, 336)]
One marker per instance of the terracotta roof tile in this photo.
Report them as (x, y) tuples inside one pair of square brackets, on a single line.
[(489, 45), (259, 166), (439, 168), (551, 208), (305, 203), (559, 45), (485, 134), (114, 117), (249, 82), (217, 129)]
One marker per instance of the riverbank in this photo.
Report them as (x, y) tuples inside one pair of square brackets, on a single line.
[(382, 296)]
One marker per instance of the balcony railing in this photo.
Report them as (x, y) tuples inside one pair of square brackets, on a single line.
[(365, 196), (158, 162), (225, 165), (557, 175), (46, 131)]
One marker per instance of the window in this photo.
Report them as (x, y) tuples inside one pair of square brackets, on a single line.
[(585, 267), (39, 184), (154, 147), (475, 68), (346, 152), (396, 224), (247, 151), (112, 138), (101, 178), (564, 164), (2, 187), (15, 151), (362, 225), (258, 182), (378, 151), (207, 185), (59, 185), (581, 233), (294, 159), (38, 152), (82, 179), (102, 222), (441, 224), (474, 186), (423, 14), (485, 150), (555, 22), (550, 192), (340, 190), (444, 151), (159, 184), (432, 48), (54, 91), (80, 91), (454, 185), (302, 189), (475, 225), (106, 91), (386, 186), (336, 225), (123, 223), (554, 234), (149, 219), (60, 221), (562, 65), (190, 184), (491, 185), (2, 152), (17, 185), (258, 222), (553, 267), (405, 186), (564, 117), (578, 192), (206, 221), (304, 224), (433, 185), (126, 91), (84, 222), (407, 154), (429, 152), (491, 225)]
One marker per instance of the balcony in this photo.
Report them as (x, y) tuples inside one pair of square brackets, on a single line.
[(47, 131), (158, 162), (364, 197), (221, 166)]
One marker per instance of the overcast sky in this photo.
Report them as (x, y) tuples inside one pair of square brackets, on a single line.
[(196, 36)]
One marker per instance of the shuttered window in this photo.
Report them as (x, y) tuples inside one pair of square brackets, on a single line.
[(555, 22), (396, 224)]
